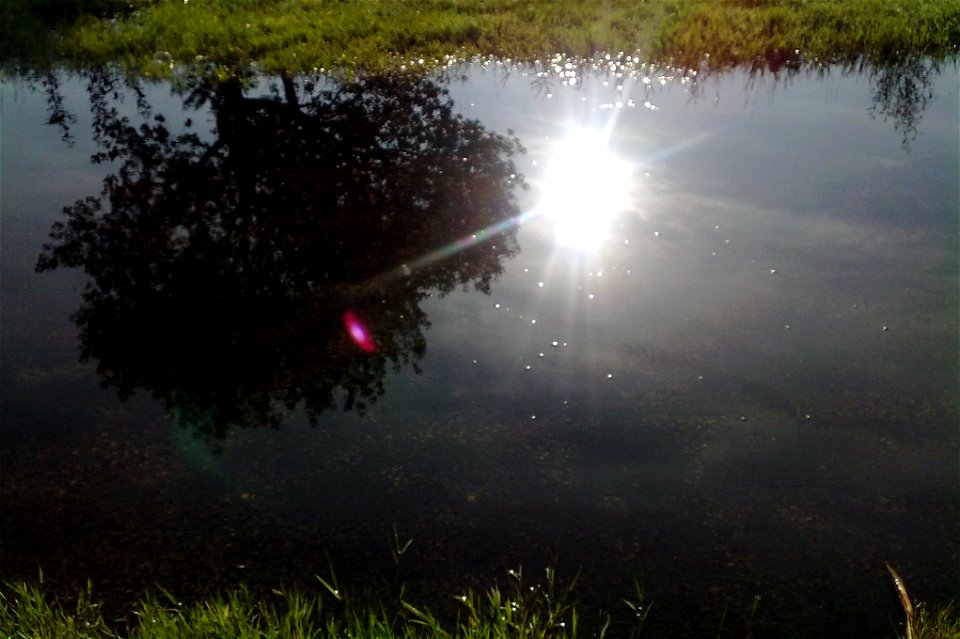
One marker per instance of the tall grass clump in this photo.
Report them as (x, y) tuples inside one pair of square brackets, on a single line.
[(384, 35), (25, 613), (32, 29), (736, 32), (519, 610)]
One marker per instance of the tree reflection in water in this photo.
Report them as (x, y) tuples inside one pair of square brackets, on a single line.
[(902, 89), (901, 83), (221, 271)]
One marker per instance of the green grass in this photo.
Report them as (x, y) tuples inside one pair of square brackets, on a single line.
[(520, 611), (541, 612), (737, 32), (380, 35)]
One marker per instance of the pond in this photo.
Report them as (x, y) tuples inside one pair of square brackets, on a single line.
[(693, 331)]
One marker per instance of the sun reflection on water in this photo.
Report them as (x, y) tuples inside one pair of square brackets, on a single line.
[(585, 187)]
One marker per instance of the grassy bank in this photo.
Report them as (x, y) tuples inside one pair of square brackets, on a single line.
[(528, 613), (534, 612), (376, 35)]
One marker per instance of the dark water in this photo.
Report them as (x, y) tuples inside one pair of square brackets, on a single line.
[(733, 380)]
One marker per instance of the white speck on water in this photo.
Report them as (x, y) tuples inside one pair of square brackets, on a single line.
[(539, 354), (609, 375), (540, 284), (527, 367), (590, 296), (886, 328), (497, 305), (773, 271), (554, 343), (656, 233), (533, 321)]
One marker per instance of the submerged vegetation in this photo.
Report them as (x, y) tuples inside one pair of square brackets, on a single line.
[(543, 610), (302, 35)]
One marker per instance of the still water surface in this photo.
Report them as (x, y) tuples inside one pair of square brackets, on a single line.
[(697, 333)]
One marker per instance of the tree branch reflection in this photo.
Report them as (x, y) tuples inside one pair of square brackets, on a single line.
[(902, 84), (221, 269)]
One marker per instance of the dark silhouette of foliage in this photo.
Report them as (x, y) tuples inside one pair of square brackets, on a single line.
[(902, 84), (221, 269), (902, 89)]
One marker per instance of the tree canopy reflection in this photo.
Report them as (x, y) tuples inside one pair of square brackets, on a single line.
[(221, 269)]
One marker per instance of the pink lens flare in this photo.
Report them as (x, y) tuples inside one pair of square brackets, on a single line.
[(358, 332)]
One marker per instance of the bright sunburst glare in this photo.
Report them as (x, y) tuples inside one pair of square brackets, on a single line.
[(585, 187)]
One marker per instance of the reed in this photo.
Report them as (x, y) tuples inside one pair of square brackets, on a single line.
[(919, 623)]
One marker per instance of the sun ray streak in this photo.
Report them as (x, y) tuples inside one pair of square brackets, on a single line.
[(451, 249), (588, 187)]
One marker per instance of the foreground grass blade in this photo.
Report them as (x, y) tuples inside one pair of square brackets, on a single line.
[(905, 602)]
